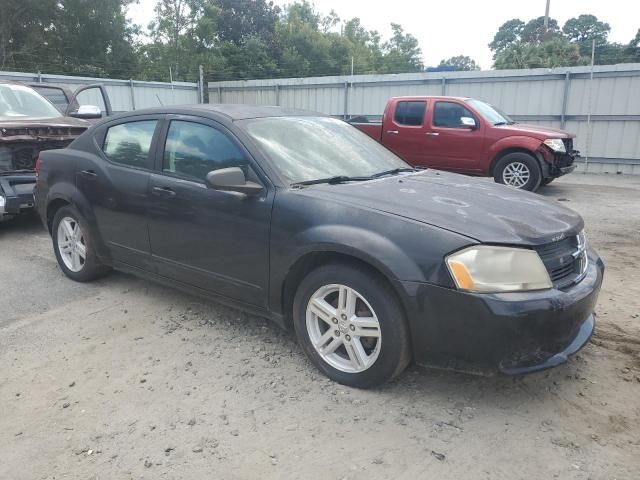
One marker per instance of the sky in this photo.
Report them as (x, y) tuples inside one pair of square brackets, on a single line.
[(458, 27)]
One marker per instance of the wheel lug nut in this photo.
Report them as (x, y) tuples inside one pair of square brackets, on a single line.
[(344, 317), (348, 337), (334, 320), (352, 327), (337, 333)]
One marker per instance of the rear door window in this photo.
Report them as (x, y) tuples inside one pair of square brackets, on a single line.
[(410, 113), (449, 115), (129, 143)]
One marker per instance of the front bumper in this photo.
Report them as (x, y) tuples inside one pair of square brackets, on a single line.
[(511, 333), (563, 163)]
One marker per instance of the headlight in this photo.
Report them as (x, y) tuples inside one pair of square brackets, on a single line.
[(555, 144), (489, 269)]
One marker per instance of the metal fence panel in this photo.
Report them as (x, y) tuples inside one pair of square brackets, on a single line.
[(561, 98), (125, 95)]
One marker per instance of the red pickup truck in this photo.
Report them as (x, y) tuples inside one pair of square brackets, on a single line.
[(470, 136)]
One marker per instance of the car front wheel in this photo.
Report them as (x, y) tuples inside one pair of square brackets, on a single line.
[(519, 170), (351, 326), (73, 247)]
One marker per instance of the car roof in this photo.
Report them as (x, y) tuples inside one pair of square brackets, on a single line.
[(231, 111), (430, 97)]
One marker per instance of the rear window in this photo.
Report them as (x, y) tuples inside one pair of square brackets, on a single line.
[(410, 113), (55, 96), (129, 143)]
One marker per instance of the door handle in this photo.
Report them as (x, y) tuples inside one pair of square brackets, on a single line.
[(432, 134), (88, 173), (393, 132), (163, 192)]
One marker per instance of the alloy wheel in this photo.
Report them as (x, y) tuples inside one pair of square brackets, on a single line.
[(343, 328), (71, 244), (516, 174)]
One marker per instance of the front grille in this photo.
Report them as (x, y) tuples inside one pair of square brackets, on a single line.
[(568, 144), (565, 260)]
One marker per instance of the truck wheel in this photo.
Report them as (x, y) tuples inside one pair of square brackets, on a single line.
[(351, 326), (518, 170), (73, 246)]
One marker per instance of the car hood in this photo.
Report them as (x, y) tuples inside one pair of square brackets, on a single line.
[(479, 209), (57, 122), (537, 131)]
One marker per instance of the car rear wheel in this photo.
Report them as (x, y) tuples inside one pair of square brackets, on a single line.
[(351, 326), (73, 247), (519, 170)]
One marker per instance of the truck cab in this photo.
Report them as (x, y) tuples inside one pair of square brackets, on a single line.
[(470, 136)]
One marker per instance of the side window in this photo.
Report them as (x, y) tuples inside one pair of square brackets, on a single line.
[(92, 96), (129, 143), (55, 96), (449, 115), (410, 113), (193, 150)]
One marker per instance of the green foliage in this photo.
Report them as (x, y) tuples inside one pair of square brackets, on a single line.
[(88, 37), (460, 62), (232, 39), (529, 45)]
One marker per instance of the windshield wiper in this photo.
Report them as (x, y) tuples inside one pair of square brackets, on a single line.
[(330, 180), (497, 124), (395, 171)]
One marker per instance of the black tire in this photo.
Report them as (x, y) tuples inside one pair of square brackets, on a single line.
[(535, 173), (548, 180), (394, 351), (92, 268)]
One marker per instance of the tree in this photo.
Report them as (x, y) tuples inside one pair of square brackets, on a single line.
[(584, 29), (402, 52), (557, 52), (535, 32), (509, 33), (460, 62)]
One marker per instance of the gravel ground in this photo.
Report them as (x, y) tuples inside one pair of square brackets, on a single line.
[(123, 378)]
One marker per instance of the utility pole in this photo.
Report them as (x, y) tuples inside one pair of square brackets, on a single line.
[(589, 105), (546, 17), (201, 71)]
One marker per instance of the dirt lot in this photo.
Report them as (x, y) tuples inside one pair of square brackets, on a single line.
[(126, 379)]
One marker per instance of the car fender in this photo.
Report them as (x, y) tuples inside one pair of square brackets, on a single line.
[(515, 142), (70, 194), (375, 249)]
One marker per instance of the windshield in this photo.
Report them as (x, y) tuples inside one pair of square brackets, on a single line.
[(311, 148), (490, 113), (18, 103)]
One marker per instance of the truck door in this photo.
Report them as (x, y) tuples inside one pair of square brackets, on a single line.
[(455, 138), (403, 130)]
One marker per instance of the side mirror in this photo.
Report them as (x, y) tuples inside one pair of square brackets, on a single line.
[(468, 122), (87, 112), (232, 180)]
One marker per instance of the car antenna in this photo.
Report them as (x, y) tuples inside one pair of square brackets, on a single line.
[(159, 101)]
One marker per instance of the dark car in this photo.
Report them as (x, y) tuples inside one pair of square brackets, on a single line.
[(308, 221), (29, 124)]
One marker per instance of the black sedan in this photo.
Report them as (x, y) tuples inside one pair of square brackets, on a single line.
[(304, 219)]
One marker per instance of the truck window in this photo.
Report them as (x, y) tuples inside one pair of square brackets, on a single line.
[(410, 113), (448, 115)]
